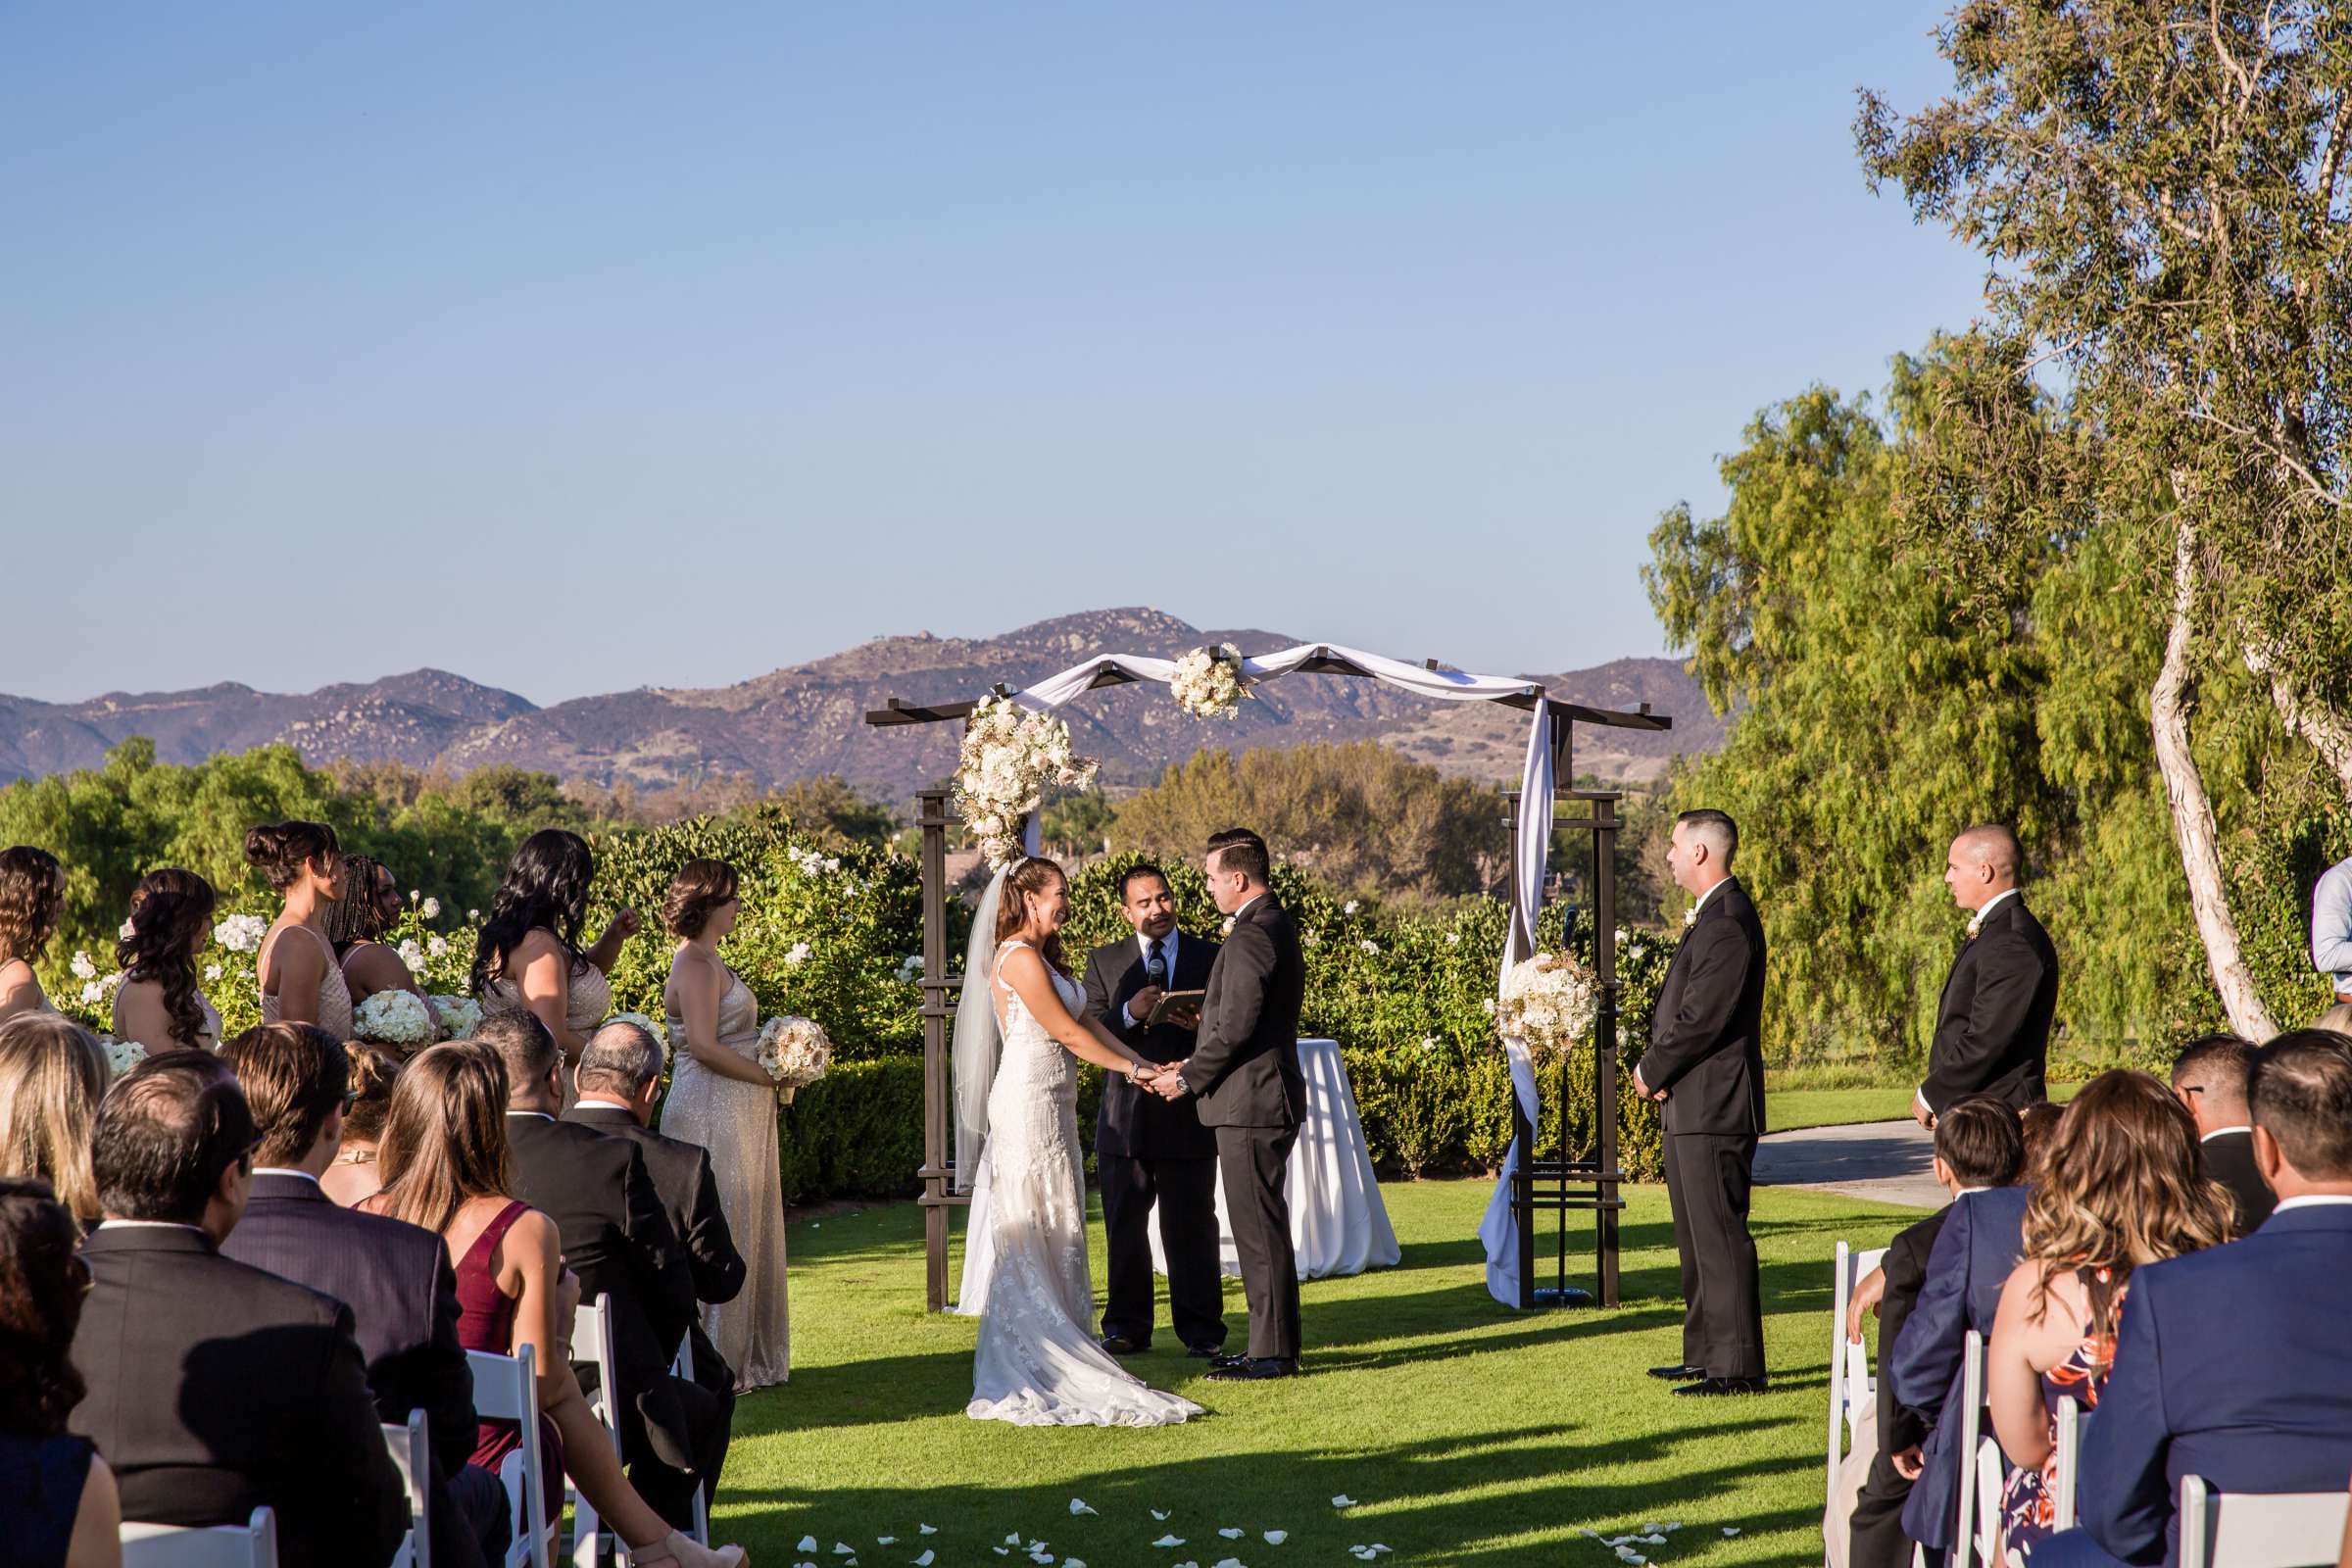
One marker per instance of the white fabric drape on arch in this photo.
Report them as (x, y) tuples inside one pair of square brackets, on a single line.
[(1531, 851)]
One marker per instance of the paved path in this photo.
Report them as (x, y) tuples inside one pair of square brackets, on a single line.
[(1887, 1162)]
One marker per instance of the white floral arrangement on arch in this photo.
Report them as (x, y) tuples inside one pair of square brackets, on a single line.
[(1010, 757), (1209, 683), (394, 1018), (642, 1021), (461, 1016), (795, 1052), (1549, 1001)]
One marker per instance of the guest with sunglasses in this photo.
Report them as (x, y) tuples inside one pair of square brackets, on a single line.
[(395, 1277)]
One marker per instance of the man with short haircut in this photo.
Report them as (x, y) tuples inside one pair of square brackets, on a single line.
[(2229, 1363), (1992, 1025), (1148, 1150), (394, 1277), (1705, 1062), (619, 1077), (1980, 1146), (2210, 1079), (619, 1240), (215, 1388), (2332, 928)]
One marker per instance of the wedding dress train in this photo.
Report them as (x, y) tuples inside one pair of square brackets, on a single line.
[(1038, 1362)]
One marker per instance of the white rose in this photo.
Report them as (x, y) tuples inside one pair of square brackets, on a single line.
[(211, 972), (83, 966), (432, 909), (435, 947)]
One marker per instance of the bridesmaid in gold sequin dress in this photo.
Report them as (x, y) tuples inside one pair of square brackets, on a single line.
[(529, 956), (721, 1098), (301, 981)]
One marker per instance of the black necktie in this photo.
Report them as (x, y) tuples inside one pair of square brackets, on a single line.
[(1155, 965)]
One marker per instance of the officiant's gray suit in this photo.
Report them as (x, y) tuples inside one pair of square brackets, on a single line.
[(1245, 1070)]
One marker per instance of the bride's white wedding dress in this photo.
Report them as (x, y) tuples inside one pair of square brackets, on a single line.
[(1038, 1364)]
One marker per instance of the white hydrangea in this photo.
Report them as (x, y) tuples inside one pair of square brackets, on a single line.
[(241, 933), (461, 1016), (393, 1018)]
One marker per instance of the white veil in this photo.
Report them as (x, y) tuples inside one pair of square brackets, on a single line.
[(978, 1040)]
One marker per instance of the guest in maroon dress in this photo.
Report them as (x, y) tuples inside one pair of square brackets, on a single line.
[(446, 1167)]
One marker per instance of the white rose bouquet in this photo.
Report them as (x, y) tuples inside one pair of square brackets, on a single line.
[(795, 1052), (1549, 1001), (394, 1018), (461, 1016), (659, 1034), (120, 1055), (1209, 684), (1010, 757)]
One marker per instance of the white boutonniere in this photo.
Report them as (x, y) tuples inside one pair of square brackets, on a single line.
[(1976, 923), (1691, 917), (1226, 929)]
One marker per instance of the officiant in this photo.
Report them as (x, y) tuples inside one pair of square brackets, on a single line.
[(1149, 1149)]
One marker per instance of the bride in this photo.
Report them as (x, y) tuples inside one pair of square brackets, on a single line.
[(1038, 1364)]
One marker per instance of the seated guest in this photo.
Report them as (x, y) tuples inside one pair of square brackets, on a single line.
[(619, 1077), (60, 1504), (448, 1167), (617, 1239), (353, 1178), (1978, 1146), (2336, 1020), (52, 1076), (1970, 1261), (2123, 1188), (2039, 1123), (394, 1277), (2230, 1362), (216, 1389), (2210, 1079)]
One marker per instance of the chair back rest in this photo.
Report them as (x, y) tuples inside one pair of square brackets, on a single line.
[(250, 1545), (505, 1388), (1846, 1391), (2074, 1425), (683, 1369), (412, 1456), (592, 1346), (1964, 1521), (2259, 1529)]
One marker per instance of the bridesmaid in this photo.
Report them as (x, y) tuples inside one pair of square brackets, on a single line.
[(158, 1005), (724, 1101), (301, 981), (528, 956), (32, 899), (356, 926)]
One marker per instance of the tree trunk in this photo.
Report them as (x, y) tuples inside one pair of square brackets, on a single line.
[(2192, 810), (2321, 727)]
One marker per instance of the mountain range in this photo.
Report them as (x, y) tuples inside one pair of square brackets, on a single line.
[(809, 720)]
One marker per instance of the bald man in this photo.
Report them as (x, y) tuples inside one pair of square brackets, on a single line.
[(1993, 1028)]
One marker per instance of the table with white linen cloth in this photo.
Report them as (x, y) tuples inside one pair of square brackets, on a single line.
[(1337, 1223)]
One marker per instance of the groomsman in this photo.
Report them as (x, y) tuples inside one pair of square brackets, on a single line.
[(1150, 1149), (1705, 1062), (1993, 1028)]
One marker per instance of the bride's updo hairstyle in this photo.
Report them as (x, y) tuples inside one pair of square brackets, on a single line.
[(546, 889), (699, 888), (1028, 878), (282, 850), (170, 917)]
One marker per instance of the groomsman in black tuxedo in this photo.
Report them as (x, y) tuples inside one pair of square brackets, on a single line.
[(1993, 1027), (1151, 1149), (2210, 1077), (1705, 1062)]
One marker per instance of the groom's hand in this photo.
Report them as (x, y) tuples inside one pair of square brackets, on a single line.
[(1170, 1083)]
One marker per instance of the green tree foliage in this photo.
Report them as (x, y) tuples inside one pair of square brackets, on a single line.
[(831, 811), (1359, 816)]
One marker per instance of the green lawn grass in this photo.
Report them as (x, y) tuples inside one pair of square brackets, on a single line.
[(1467, 1433), (1786, 1109)]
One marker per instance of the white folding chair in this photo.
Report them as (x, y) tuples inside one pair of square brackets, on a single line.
[(412, 1456), (505, 1388), (250, 1545), (683, 1368), (1992, 1470), (2074, 1425), (1847, 1393), (592, 1346), (1966, 1520), (2259, 1529)]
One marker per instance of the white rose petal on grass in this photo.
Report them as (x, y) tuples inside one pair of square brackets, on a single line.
[(886, 1540), (1229, 1562), (1159, 1513), (808, 1544), (928, 1530), (842, 1548), (1169, 1541), (1728, 1530), (1343, 1501), (1230, 1533), (1078, 1507), (1275, 1538), (924, 1561)]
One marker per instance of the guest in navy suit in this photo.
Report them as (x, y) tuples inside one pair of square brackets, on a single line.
[(1971, 1261), (2230, 1364), (2210, 1078)]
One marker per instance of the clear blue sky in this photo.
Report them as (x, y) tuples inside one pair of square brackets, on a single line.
[(577, 348)]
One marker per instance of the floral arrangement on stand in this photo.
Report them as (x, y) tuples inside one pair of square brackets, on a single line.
[(796, 1052), (1209, 683), (1010, 757), (1549, 1002)]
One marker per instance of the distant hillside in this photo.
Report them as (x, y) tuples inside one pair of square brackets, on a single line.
[(809, 720)]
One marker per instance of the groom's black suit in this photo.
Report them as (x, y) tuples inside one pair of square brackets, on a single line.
[(1245, 1069), (1149, 1149)]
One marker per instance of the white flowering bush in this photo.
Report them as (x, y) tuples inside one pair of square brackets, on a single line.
[(1010, 757), (1548, 1002), (1209, 683), (242, 933), (795, 1052), (394, 1018)]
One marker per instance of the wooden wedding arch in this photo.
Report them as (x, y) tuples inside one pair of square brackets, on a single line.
[(1558, 1186)]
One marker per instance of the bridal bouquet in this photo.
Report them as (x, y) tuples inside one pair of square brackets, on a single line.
[(394, 1018), (659, 1034), (120, 1055), (461, 1016), (795, 1052), (1548, 1002), (1010, 757), (1209, 684)]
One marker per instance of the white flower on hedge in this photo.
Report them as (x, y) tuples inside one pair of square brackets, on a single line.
[(474, 914), (430, 908), (1454, 939), (93, 993), (412, 954), (84, 967), (1313, 939), (393, 1018), (241, 933), (1488, 1003), (435, 947), (1369, 945), (910, 967), (797, 952), (414, 895), (1349, 908), (211, 972), (1429, 1042)]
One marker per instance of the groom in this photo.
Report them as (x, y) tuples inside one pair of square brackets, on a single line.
[(1245, 1069)]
